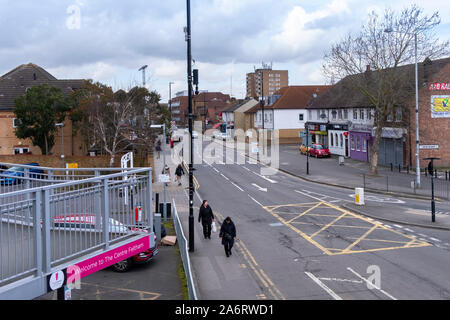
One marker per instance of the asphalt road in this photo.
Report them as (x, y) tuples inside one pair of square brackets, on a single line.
[(308, 247)]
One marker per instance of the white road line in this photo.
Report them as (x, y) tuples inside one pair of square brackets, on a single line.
[(215, 170), (397, 226), (341, 280), (323, 286), (388, 226), (236, 186), (434, 239), (259, 188), (422, 235), (255, 200), (265, 178), (370, 284), (409, 230), (224, 177)]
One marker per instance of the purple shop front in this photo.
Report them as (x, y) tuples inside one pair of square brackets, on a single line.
[(359, 145)]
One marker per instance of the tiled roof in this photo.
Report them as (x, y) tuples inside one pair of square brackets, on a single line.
[(15, 83), (345, 94)]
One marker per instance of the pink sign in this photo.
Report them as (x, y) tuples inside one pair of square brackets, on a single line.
[(439, 86), (106, 259)]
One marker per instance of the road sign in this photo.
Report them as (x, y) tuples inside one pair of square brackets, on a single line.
[(56, 280), (428, 146)]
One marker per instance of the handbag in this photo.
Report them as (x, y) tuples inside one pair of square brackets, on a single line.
[(213, 227)]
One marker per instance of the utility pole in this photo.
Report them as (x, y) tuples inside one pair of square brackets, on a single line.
[(143, 74), (191, 153)]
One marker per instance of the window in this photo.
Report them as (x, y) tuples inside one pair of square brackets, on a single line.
[(390, 117), (334, 113), (345, 114), (361, 114), (309, 114), (331, 140), (369, 114), (355, 114), (358, 143), (364, 144), (318, 114), (398, 115), (16, 122), (352, 142), (336, 140), (340, 114), (21, 150), (300, 117), (342, 140)]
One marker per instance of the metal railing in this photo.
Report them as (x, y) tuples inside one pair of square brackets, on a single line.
[(184, 250), (69, 216)]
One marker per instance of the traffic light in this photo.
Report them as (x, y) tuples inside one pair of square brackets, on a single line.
[(195, 74)]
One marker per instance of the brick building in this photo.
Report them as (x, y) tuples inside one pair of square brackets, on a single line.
[(15, 84), (265, 82)]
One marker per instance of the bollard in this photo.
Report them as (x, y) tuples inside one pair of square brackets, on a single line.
[(399, 168), (158, 226), (157, 202), (359, 196), (392, 167)]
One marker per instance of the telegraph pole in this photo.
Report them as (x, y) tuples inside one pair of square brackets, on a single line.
[(191, 153)]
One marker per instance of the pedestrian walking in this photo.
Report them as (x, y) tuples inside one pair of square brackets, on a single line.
[(158, 148), (206, 217), (228, 235), (178, 173)]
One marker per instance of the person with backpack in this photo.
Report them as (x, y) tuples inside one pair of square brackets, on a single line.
[(228, 235)]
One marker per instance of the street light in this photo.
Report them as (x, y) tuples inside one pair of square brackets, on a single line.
[(164, 164), (61, 125), (191, 116), (390, 30), (143, 74), (170, 96)]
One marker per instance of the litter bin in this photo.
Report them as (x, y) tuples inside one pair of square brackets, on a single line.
[(341, 160), (169, 209)]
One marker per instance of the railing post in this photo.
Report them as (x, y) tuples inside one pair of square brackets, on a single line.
[(105, 213), (37, 232), (46, 228)]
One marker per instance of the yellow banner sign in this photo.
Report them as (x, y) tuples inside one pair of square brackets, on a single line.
[(440, 106), (72, 165)]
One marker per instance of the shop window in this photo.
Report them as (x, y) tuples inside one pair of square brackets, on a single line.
[(352, 142), (358, 143), (331, 140), (364, 144), (342, 140), (336, 140)]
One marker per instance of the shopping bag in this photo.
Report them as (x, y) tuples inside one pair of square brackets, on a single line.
[(213, 227)]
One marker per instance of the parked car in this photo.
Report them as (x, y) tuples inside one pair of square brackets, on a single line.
[(87, 222), (13, 174), (176, 136), (220, 135), (304, 149), (319, 151)]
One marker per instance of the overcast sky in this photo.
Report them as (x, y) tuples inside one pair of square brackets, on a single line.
[(108, 41)]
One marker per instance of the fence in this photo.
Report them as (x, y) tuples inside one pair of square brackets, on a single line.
[(184, 250), (405, 182), (63, 217)]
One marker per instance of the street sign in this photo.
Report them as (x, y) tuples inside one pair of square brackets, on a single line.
[(428, 146), (164, 178), (56, 280)]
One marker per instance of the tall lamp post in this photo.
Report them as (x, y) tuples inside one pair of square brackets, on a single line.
[(61, 125), (191, 155), (143, 74), (170, 96), (390, 30), (164, 165), (262, 107)]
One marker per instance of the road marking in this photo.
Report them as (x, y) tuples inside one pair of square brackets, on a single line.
[(409, 230), (236, 186), (341, 280), (359, 239), (370, 284), (265, 178), (259, 188), (397, 226), (323, 286), (303, 213), (255, 200), (215, 170), (434, 239), (276, 224), (224, 177)]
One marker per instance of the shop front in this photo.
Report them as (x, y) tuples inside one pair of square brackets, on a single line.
[(318, 133), (338, 136), (360, 141)]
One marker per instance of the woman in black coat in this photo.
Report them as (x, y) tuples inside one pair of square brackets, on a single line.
[(228, 235)]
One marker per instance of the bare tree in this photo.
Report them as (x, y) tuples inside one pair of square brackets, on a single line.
[(117, 121), (376, 62)]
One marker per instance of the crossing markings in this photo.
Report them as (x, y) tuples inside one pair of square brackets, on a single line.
[(318, 221)]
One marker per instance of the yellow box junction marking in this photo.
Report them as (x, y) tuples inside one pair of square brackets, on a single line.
[(311, 208)]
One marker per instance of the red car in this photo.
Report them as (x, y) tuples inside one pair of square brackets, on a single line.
[(319, 151)]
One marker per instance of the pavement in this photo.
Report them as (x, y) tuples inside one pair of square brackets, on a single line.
[(297, 239)]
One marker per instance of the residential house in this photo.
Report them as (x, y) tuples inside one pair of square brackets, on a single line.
[(14, 84)]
